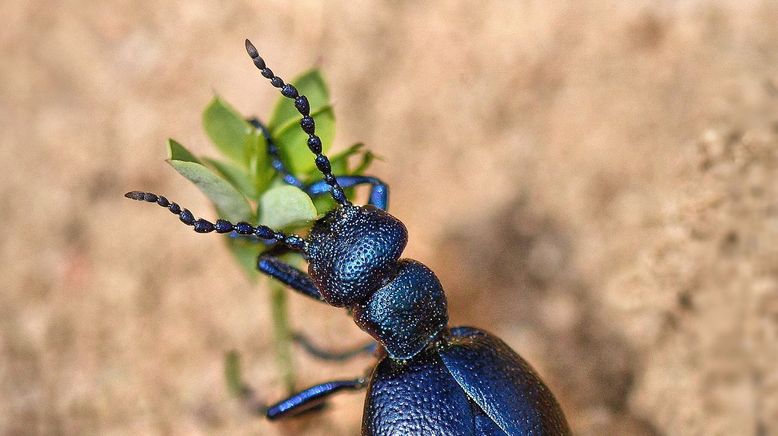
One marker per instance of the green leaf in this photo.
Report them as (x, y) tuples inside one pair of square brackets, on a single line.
[(227, 129), (285, 206), (246, 253), (367, 159), (236, 175), (339, 162), (324, 203), (259, 163), (310, 84), (292, 141), (230, 203), (176, 151)]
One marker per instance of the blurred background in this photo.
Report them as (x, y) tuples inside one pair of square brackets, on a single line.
[(593, 181)]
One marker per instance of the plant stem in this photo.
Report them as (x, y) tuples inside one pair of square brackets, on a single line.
[(282, 335)]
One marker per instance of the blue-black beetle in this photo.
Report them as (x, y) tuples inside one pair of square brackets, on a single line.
[(429, 379)]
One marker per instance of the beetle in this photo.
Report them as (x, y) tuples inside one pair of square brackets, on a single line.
[(429, 378)]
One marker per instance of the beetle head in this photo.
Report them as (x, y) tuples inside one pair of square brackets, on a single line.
[(352, 251)]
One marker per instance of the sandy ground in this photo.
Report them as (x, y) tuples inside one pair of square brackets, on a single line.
[(594, 181)]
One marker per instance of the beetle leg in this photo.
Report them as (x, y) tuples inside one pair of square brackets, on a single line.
[(312, 397), (379, 191), (298, 280), (315, 351)]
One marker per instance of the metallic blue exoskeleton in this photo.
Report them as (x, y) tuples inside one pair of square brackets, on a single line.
[(430, 379)]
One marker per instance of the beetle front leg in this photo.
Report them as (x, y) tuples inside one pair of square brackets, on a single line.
[(379, 191), (298, 280)]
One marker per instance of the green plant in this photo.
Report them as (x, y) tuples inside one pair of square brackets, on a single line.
[(243, 186)]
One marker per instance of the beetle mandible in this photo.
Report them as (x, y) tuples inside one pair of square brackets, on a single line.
[(429, 378)]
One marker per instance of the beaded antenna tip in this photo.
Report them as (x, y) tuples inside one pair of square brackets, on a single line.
[(307, 123)]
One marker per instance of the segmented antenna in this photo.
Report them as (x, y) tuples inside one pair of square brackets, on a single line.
[(221, 226), (306, 123), (275, 155)]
